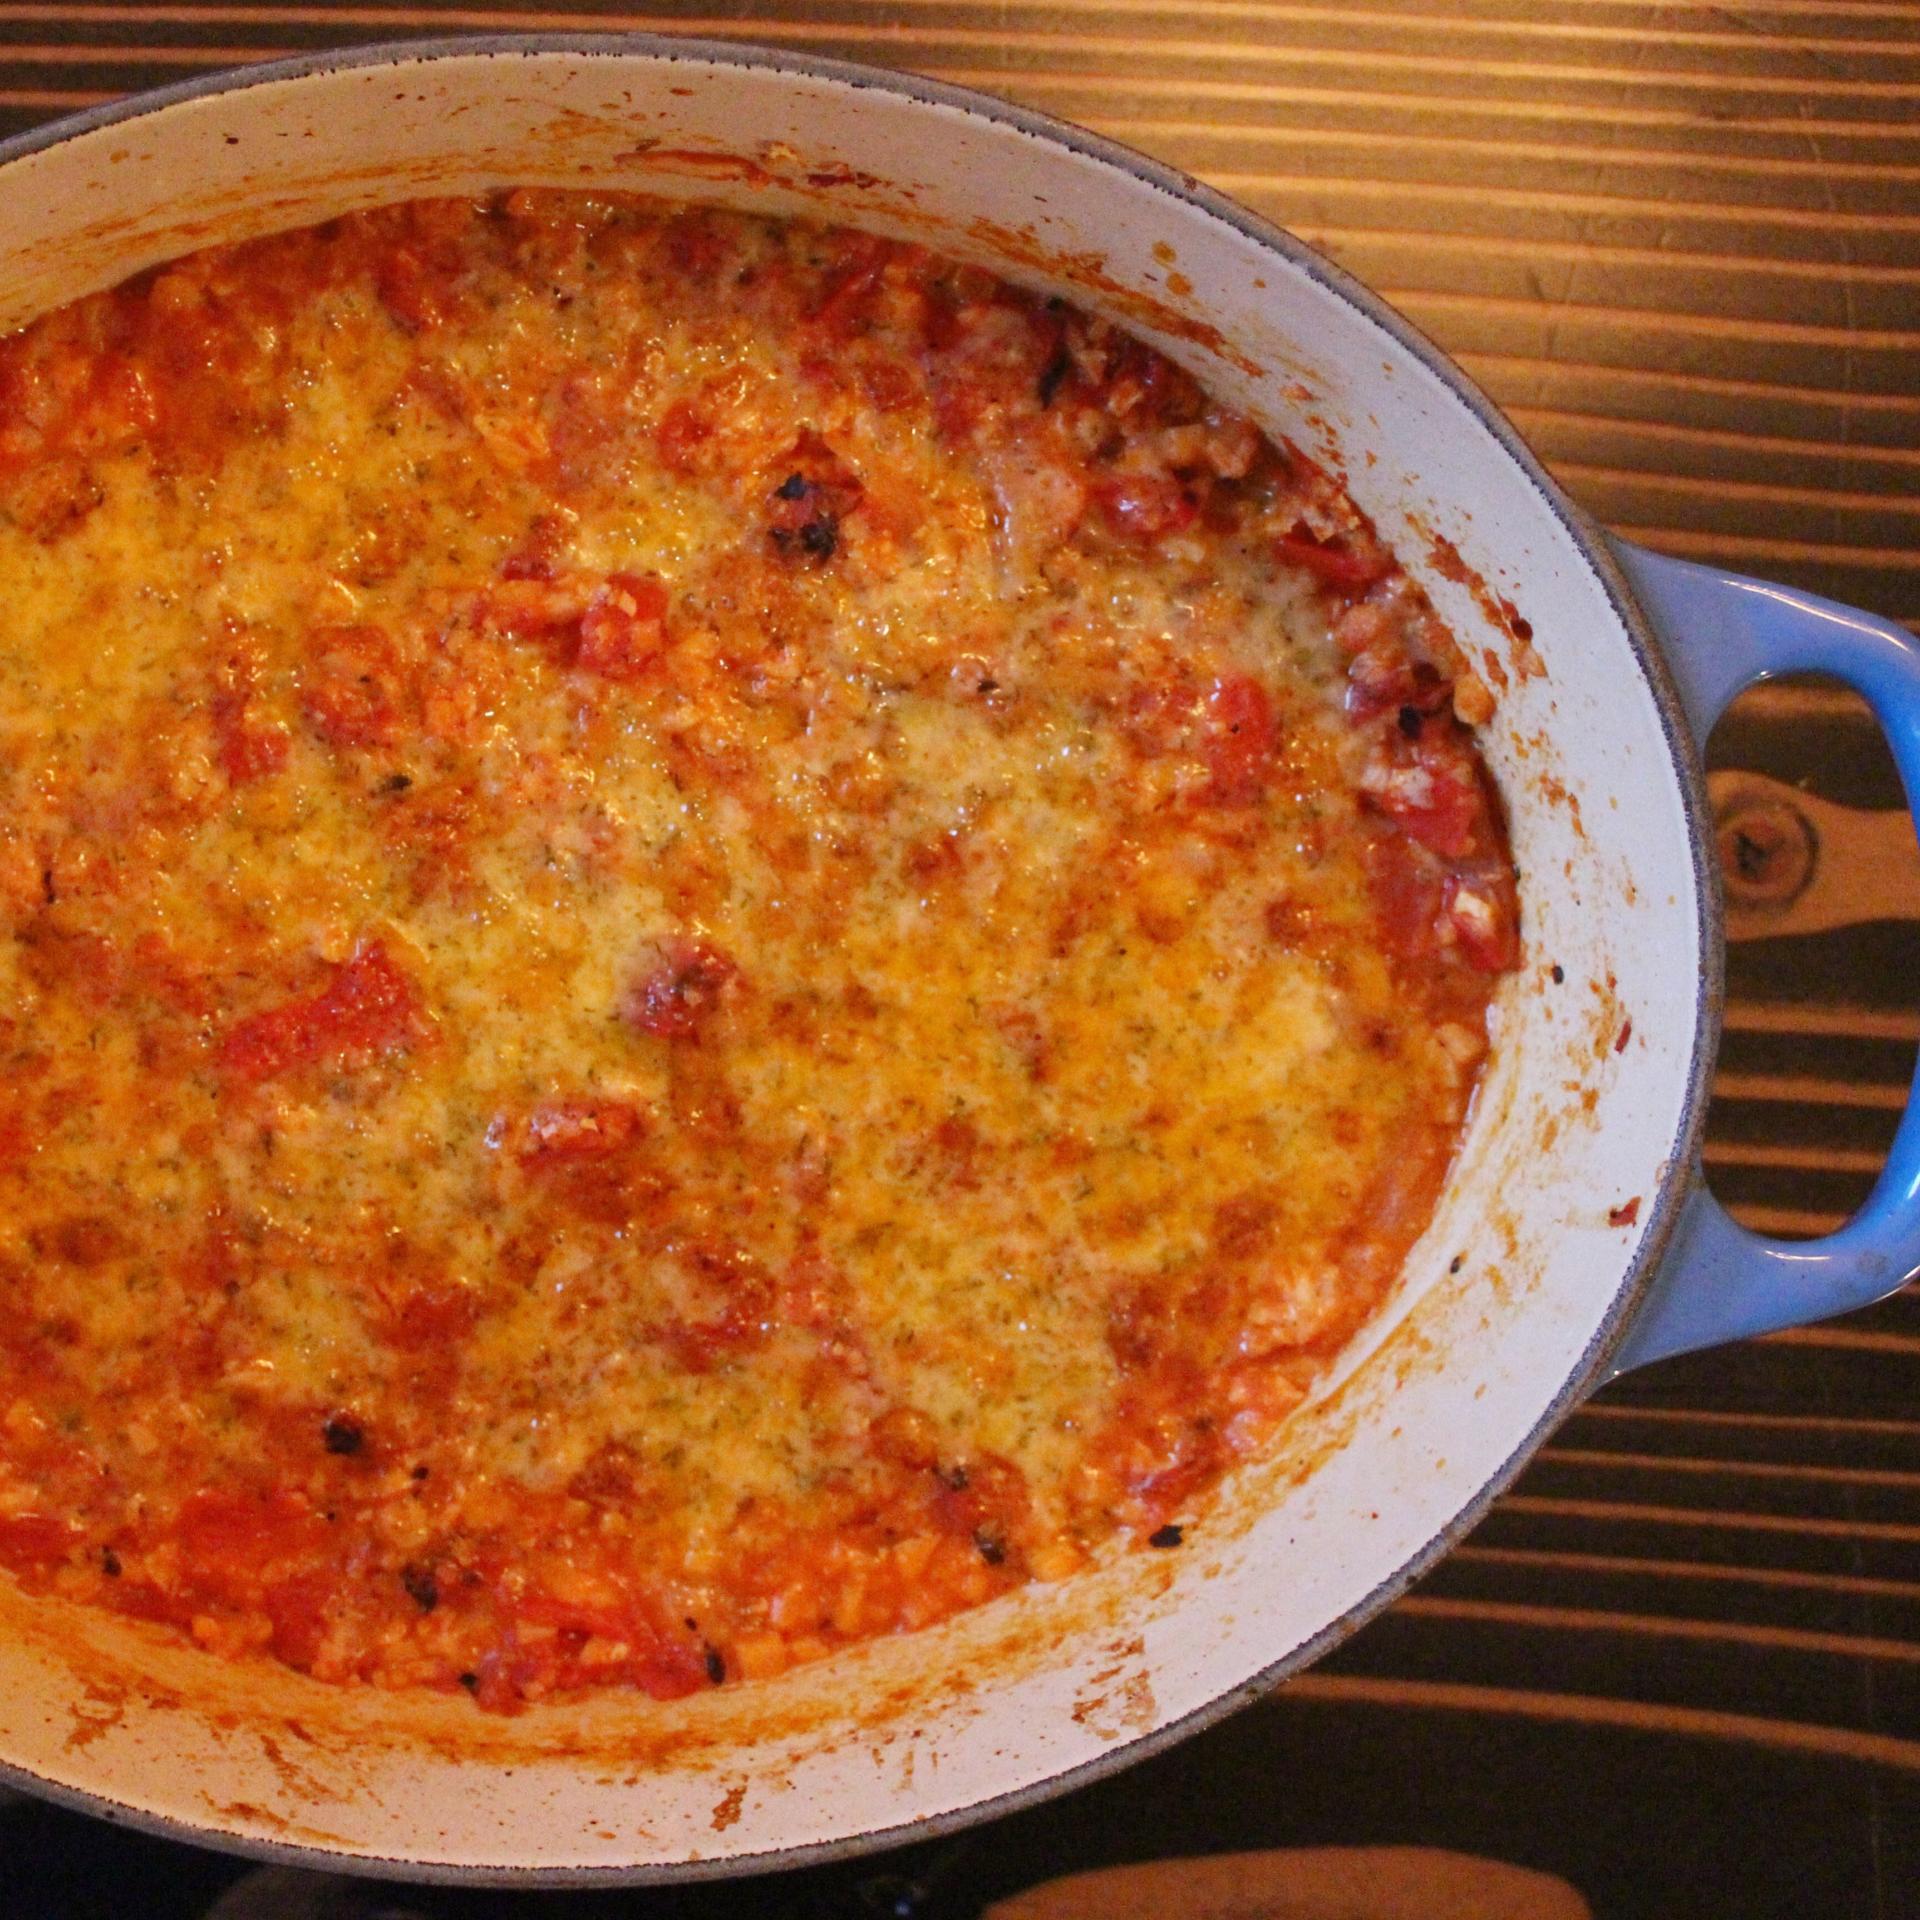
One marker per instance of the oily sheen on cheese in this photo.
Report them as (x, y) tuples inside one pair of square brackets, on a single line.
[(716, 938)]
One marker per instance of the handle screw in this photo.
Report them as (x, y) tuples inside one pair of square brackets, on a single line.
[(1767, 852)]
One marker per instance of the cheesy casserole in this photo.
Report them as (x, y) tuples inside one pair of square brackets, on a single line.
[(716, 938)]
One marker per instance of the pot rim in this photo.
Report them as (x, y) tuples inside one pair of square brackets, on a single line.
[(1685, 755)]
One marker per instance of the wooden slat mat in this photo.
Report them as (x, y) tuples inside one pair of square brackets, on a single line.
[(1680, 243)]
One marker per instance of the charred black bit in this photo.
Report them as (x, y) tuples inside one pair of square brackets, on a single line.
[(953, 1478), (992, 1549), (110, 1563), (1458, 1261), (47, 888), (469, 1681), (809, 504), (343, 1434), (1410, 722), (421, 1471), (422, 1588), (818, 539), (396, 783), (716, 1662), (1058, 366), (1559, 974), (1167, 1536)]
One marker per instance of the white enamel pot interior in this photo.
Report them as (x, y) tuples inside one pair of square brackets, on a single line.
[(1510, 1302)]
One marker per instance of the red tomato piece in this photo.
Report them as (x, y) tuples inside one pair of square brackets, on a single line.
[(678, 997), (578, 1130), (538, 556), (413, 294), (985, 1500), (247, 749), (957, 1143), (682, 429), (666, 1665), (1484, 921), (624, 629), (352, 695), (891, 385), (368, 1007), (608, 1620), (1241, 738), (248, 754), (35, 1542), (213, 1265), (1333, 566), (1407, 887), (1446, 823), (698, 244), (430, 1317), (238, 1535), (851, 285), (533, 604), (1433, 797), (83, 1240), (1379, 681), (298, 1609), (741, 1294), (1146, 506)]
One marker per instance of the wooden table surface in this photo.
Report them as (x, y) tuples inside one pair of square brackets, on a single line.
[(1680, 244)]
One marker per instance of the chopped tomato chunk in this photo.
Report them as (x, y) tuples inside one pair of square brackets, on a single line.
[(248, 749), (368, 1007), (1146, 506), (578, 1130), (352, 694), (624, 629), (415, 295), (428, 1317), (1434, 797), (537, 557), (1381, 680), (1333, 566), (1484, 921), (683, 428), (298, 1608), (852, 284), (682, 993), (728, 1309), (242, 1534), (35, 1542), (1240, 740)]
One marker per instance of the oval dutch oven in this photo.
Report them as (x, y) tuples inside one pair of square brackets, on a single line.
[(1576, 1238)]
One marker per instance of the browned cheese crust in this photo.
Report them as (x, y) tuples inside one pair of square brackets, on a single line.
[(716, 938)]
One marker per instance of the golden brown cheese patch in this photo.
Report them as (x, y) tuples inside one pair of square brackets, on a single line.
[(717, 937)]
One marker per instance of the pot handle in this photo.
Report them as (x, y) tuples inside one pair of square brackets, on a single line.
[(1720, 632)]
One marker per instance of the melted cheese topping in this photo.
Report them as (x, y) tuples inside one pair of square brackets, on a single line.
[(717, 938)]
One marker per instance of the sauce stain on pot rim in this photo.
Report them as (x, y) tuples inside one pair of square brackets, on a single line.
[(269, 1830)]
